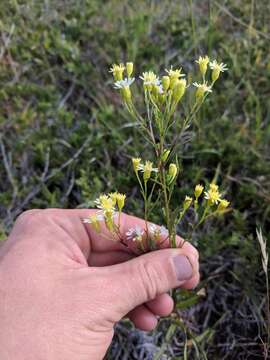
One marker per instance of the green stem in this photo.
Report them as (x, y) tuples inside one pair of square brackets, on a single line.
[(145, 206), (164, 188)]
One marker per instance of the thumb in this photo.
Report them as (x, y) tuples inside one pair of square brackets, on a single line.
[(147, 276)]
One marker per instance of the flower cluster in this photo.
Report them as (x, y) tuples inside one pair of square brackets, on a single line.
[(213, 197), (172, 85), (163, 127), (203, 62), (146, 239), (108, 206)]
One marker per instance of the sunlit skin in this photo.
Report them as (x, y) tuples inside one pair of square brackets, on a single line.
[(64, 286)]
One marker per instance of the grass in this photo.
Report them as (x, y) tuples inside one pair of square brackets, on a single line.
[(64, 138)]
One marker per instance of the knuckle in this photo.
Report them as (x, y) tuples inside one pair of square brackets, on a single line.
[(196, 253), (34, 217), (27, 216), (150, 279)]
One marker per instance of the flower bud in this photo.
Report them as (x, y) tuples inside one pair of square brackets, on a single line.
[(200, 93), (172, 171), (155, 90), (117, 71), (113, 197), (162, 98), (187, 202), (217, 68), (179, 90), (147, 170), (126, 93), (129, 67), (120, 201), (198, 191), (223, 204), (215, 74), (173, 82), (165, 83), (203, 62), (213, 187), (136, 163), (165, 155)]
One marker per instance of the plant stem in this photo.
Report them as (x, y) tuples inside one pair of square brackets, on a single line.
[(267, 315), (164, 188)]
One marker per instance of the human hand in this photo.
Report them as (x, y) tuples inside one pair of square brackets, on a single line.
[(63, 287)]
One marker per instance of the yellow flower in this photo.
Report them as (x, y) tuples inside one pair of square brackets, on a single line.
[(172, 172), (113, 196), (150, 79), (187, 202), (174, 73), (147, 170), (213, 187), (124, 87), (120, 198), (129, 67), (198, 191), (136, 163), (203, 62), (117, 71), (107, 206), (105, 203), (217, 69), (202, 89), (212, 195), (95, 220), (179, 89), (165, 82), (223, 204)]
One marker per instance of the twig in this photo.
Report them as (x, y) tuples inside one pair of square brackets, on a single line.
[(264, 253), (6, 41), (9, 175), (67, 96)]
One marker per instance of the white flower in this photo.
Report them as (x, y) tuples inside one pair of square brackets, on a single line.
[(135, 233), (214, 65), (105, 202), (147, 170), (204, 87), (94, 218), (156, 232), (217, 69), (152, 228), (147, 166), (150, 78), (174, 73), (164, 231), (121, 84)]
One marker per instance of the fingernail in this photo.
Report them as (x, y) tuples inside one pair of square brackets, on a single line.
[(183, 268)]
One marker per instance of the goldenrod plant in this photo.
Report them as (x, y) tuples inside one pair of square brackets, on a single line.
[(162, 122)]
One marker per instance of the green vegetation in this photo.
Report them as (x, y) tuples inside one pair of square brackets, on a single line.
[(64, 138)]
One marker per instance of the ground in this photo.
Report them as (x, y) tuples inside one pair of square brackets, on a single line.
[(65, 138)]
